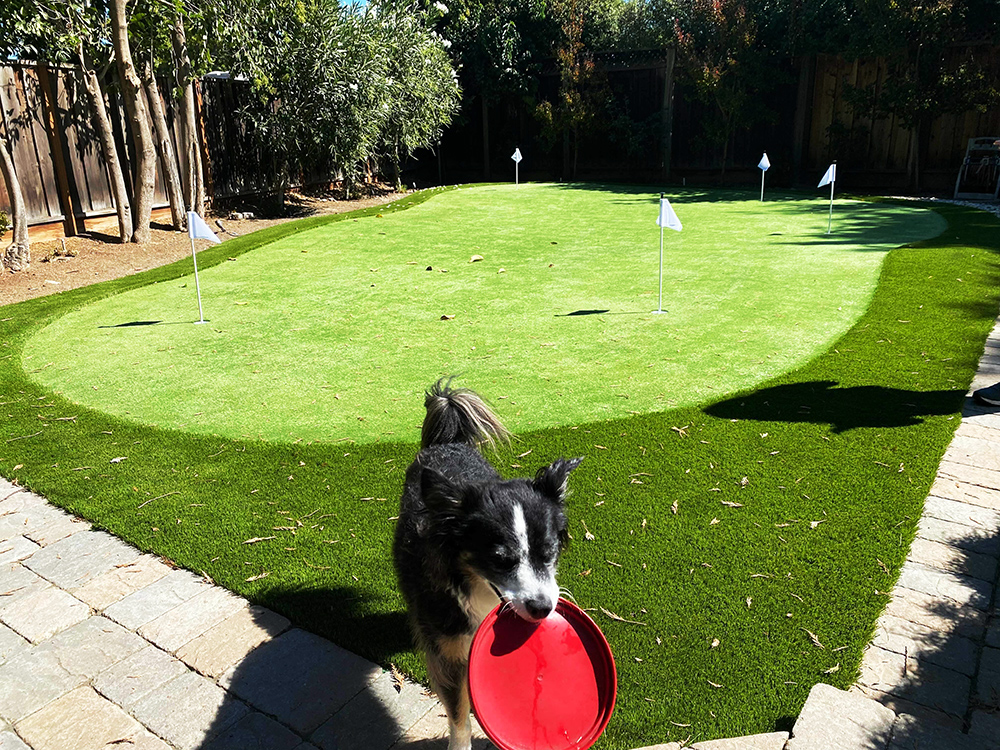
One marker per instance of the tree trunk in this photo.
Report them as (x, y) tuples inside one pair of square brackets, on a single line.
[(166, 149), (138, 116), (106, 138), (486, 140), (17, 257), (194, 183)]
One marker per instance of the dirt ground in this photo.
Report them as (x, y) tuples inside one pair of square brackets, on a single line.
[(94, 257)]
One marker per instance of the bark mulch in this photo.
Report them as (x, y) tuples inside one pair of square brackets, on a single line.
[(95, 257)]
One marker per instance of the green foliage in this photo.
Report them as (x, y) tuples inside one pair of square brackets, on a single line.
[(338, 86), (5, 225), (720, 55)]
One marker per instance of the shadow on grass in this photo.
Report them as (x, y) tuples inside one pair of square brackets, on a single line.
[(822, 402), (297, 686)]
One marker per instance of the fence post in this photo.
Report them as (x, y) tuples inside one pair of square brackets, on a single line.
[(54, 133)]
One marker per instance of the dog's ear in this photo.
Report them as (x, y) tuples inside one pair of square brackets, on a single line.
[(551, 480), (438, 491)]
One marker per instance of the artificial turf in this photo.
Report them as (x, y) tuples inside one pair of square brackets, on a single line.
[(752, 537), (335, 332)]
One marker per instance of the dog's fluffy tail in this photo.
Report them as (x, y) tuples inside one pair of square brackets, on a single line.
[(458, 415)]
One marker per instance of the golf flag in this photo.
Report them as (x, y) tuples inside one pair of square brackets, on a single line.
[(198, 229), (763, 166), (830, 176), (667, 217), (517, 155)]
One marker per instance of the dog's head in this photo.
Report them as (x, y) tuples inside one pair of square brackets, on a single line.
[(509, 532)]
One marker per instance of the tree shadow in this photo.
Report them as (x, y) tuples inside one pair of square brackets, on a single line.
[(300, 687), (822, 402)]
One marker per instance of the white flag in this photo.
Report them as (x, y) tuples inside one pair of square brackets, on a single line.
[(830, 176), (764, 163), (516, 156), (667, 217), (198, 229)]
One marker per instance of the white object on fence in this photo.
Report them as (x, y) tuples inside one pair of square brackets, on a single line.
[(667, 218), (198, 229), (763, 167), (516, 156), (830, 178)]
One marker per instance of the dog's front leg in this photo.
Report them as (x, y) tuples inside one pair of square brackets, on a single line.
[(450, 680)]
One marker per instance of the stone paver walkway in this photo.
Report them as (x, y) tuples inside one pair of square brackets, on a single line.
[(102, 646)]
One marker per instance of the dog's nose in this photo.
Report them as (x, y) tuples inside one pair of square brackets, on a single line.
[(539, 609)]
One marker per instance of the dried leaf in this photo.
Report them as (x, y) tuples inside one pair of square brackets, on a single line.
[(263, 574), (475, 258), (713, 522), (814, 524), (673, 508), (258, 539), (744, 481), (749, 601), (619, 618), (715, 643), (118, 460), (814, 639), (831, 670), (447, 317), (397, 677), (714, 684), (731, 504), (587, 535), (617, 565)]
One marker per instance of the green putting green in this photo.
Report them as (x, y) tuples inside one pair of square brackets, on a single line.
[(334, 333)]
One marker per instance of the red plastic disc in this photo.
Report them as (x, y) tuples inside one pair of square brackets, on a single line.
[(549, 685)]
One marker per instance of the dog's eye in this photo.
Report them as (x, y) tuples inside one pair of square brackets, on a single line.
[(501, 559)]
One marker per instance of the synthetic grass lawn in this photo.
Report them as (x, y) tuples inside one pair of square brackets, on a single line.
[(796, 498), (335, 332)]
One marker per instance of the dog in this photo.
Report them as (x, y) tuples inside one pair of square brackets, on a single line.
[(466, 538)]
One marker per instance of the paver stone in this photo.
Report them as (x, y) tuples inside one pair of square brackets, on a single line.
[(30, 681), (135, 677), (119, 582), (92, 646), (83, 720), (213, 652), (188, 710), (376, 717), (44, 613), (75, 560), (192, 618), (300, 679), (148, 603)]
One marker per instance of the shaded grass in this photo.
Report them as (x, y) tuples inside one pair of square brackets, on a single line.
[(829, 465), (302, 333)]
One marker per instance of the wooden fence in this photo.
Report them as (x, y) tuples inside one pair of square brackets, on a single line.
[(59, 162)]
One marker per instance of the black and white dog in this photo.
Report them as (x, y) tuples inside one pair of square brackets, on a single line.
[(465, 535)]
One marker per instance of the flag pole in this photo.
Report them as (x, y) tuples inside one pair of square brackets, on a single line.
[(659, 307), (517, 168), (762, 173), (194, 256), (833, 182)]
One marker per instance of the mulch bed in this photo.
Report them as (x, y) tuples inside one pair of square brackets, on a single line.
[(95, 257)]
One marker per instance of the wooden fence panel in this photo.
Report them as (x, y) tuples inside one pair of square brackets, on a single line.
[(88, 171), (21, 112)]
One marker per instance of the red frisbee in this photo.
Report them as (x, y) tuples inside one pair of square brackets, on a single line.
[(542, 686)]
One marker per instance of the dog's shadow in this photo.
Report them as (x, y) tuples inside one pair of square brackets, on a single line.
[(296, 687)]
